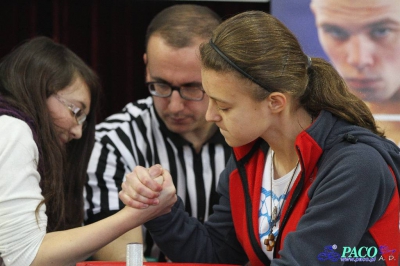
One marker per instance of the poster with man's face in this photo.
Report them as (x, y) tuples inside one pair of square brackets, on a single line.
[(361, 38)]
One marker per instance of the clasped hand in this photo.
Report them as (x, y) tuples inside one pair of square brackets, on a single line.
[(146, 187)]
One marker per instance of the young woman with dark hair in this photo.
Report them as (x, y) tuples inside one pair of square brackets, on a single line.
[(48, 101)]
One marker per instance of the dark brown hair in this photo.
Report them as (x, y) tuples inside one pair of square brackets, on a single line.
[(264, 48), (28, 76), (178, 25)]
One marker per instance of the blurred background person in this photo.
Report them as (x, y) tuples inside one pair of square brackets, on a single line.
[(362, 39)]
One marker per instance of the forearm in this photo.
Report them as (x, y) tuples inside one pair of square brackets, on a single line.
[(70, 246), (180, 237), (185, 239)]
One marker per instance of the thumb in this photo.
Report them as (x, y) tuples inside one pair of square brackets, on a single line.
[(155, 171), (159, 179)]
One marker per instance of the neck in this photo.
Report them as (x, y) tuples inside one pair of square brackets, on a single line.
[(198, 138), (282, 140), (284, 165)]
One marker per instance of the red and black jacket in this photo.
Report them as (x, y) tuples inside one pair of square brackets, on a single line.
[(314, 152), (346, 197)]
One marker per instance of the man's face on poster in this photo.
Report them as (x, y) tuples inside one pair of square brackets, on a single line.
[(362, 39)]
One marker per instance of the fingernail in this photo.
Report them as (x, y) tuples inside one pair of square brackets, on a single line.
[(144, 206)]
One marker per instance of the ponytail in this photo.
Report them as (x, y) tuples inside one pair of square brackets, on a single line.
[(326, 90), (262, 49)]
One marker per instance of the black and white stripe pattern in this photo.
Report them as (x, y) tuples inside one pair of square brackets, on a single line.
[(136, 136)]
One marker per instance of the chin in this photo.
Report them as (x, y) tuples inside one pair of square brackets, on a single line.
[(232, 144), (237, 143), (179, 129), (62, 140)]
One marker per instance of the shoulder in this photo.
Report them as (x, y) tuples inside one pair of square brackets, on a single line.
[(18, 153), (359, 156), (139, 112), (16, 137), (139, 107), (356, 165), (20, 129)]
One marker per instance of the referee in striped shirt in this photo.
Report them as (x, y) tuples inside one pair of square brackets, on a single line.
[(167, 128)]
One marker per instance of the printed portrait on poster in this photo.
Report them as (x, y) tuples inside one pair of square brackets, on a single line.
[(362, 41)]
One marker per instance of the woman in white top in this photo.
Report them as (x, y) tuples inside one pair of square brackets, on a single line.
[(48, 98)]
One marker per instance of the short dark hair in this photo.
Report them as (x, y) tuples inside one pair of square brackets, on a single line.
[(178, 25)]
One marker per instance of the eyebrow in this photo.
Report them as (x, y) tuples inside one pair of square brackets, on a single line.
[(380, 23), (383, 22), (194, 83), (80, 103), (83, 105), (331, 26), (218, 100)]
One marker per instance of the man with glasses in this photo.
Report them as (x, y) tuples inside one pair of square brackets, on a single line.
[(168, 128)]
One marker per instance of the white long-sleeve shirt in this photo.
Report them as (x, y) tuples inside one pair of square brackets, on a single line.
[(21, 231)]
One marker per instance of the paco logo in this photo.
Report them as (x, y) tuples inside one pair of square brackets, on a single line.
[(357, 254), (361, 252)]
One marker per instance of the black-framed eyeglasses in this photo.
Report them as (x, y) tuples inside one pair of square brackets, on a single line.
[(192, 92), (76, 112)]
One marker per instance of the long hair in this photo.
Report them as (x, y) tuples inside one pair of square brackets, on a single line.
[(28, 76), (179, 25), (264, 48)]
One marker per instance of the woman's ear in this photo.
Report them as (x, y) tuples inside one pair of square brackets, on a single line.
[(145, 58), (277, 102)]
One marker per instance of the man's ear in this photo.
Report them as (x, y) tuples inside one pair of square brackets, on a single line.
[(277, 102), (146, 72)]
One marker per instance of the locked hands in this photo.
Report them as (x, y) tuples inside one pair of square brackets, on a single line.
[(149, 188)]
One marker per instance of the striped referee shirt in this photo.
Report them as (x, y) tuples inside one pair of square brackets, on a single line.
[(137, 136)]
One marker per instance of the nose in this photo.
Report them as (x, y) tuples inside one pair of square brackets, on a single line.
[(76, 131), (211, 114), (176, 103), (360, 52)]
